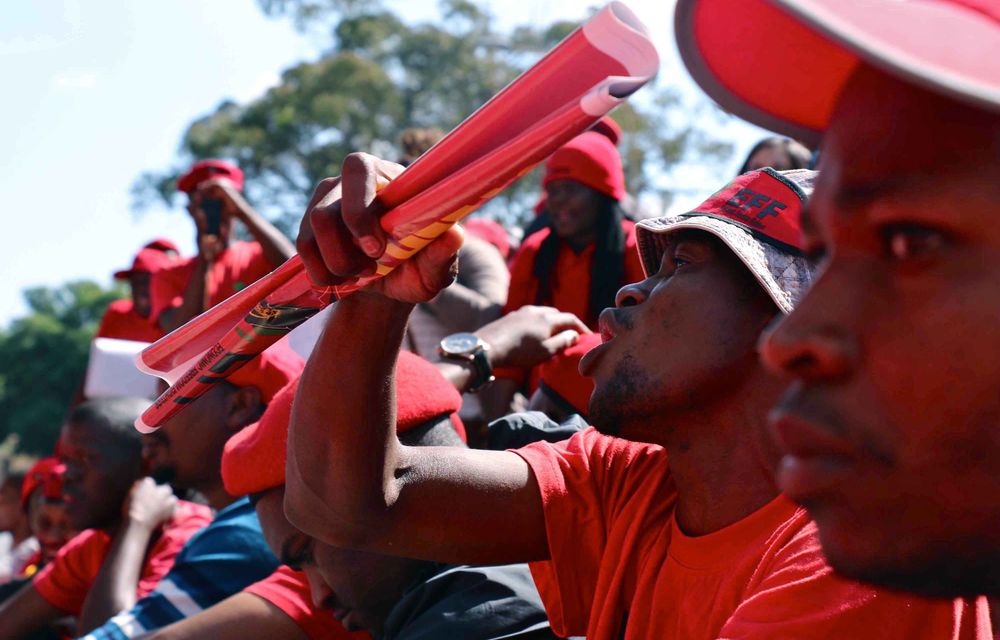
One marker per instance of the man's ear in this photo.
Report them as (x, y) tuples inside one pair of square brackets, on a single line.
[(245, 407)]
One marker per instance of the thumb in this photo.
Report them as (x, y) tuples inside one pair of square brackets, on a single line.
[(560, 341)]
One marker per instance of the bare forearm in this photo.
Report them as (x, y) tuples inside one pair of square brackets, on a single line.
[(342, 429), (277, 248), (25, 612), (115, 586), (236, 618), (351, 483), (192, 302)]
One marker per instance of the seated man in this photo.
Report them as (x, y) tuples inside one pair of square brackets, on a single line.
[(390, 597), (280, 606), (890, 427), (102, 453), (229, 553), (221, 267), (673, 529)]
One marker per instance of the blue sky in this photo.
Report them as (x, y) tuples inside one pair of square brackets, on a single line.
[(97, 92)]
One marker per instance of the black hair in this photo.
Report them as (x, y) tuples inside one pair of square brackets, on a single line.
[(114, 416), (607, 270), (798, 155), (436, 432)]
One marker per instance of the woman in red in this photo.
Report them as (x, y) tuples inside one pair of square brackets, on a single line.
[(588, 251)]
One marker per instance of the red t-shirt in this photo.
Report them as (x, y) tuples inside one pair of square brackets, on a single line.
[(621, 568), (570, 289), (65, 581), (236, 268), (289, 591), (121, 322)]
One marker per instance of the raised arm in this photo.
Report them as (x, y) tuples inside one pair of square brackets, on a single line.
[(148, 506), (349, 480), (276, 247)]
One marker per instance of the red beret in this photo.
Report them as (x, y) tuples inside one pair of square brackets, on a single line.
[(204, 169), (47, 473), (254, 458), (590, 159), (270, 372), (561, 376), (609, 129)]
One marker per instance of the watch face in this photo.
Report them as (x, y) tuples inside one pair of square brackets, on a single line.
[(460, 343)]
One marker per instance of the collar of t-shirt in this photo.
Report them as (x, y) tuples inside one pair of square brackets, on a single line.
[(717, 549)]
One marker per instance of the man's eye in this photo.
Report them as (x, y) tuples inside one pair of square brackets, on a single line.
[(910, 241)]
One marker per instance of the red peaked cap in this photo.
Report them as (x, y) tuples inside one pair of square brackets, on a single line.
[(47, 473), (561, 374), (146, 261), (204, 169), (254, 458), (269, 372), (590, 159)]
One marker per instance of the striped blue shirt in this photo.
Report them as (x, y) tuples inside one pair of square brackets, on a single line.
[(218, 561)]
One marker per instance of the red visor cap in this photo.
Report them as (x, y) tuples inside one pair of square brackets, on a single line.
[(147, 261), (204, 169), (47, 473), (270, 371), (781, 64), (590, 159), (254, 458)]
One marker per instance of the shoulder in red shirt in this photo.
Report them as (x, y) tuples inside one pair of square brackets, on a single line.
[(121, 322), (620, 567), (289, 591), (65, 581), (236, 268)]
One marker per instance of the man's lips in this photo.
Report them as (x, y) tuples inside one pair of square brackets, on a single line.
[(816, 458), (607, 328)]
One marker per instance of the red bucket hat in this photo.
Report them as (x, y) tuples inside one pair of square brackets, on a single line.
[(759, 217), (782, 63), (204, 169), (254, 458), (590, 159), (608, 128), (47, 473)]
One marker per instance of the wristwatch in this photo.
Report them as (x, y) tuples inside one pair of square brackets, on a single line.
[(468, 347)]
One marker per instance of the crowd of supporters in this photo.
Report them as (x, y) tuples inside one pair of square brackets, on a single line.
[(772, 416)]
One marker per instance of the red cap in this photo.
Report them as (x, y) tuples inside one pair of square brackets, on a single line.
[(489, 231), (781, 64), (591, 160), (608, 128), (47, 473), (204, 169), (561, 374), (162, 244), (270, 371), (254, 458), (147, 261)]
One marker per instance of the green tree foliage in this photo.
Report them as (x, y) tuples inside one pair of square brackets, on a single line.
[(381, 76), (46, 355)]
